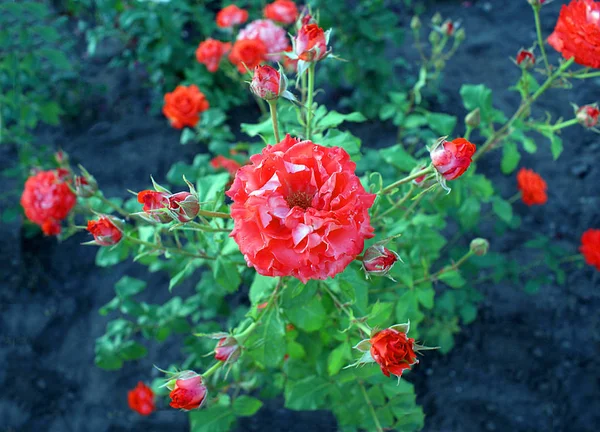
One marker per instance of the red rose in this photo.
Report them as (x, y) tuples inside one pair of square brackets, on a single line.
[(225, 163), (379, 260), (183, 106), (154, 202), (532, 187), (577, 32), (274, 37), (248, 53), (282, 11), (393, 351), (105, 232), (525, 59), (266, 83), (141, 399), (189, 391), (300, 210), (184, 205), (448, 28), (231, 16), (47, 199), (590, 247), (227, 350), (452, 158), (311, 43), (210, 52), (588, 115)]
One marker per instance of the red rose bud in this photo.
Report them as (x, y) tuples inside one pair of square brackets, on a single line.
[(185, 205), (379, 260), (105, 231), (393, 351), (267, 83), (525, 59), (62, 159), (210, 52), (310, 44), (154, 203), (227, 350), (452, 158), (588, 115), (141, 399), (282, 11), (479, 246), (85, 188), (448, 28), (188, 392), (590, 247)]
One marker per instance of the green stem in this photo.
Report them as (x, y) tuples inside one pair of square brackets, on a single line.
[(273, 109), (587, 75), (365, 328), (514, 198), (214, 214), (371, 408), (564, 124), (214, 368), (167, 249), (468, 132), (261, 105), (309, 105), (400, 202), (414, 205), (418, 174), (538, 29), (112, 205), (241, 337)]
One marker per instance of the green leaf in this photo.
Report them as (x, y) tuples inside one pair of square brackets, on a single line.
[(333, 119), (510, 157), (211, 186), (309, 316), (128, 286), (425, 295), (502, 208), (400, 158), (443, 124), (273, 336), (246, 406), (226, 274), (109, 256), (469, 213), (452, 278), (380, 315), (56, 57), (216, 418), (187, 135), (261, 288), (50, 113), (345, 140), (407, 308), (556, 145), (252, 130), (338, 358), (132, 350), (306, 394)]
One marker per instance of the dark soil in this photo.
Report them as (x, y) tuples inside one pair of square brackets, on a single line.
[(528, 363)]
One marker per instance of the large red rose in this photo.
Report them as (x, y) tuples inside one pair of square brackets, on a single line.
[(532, 187), (282, 11), (47, 199), (210, 52), (393, 351), (300, 210), (248, 53), (141, 399), (183, 106), (189, 392), (590, 247), (452, 158), (577, 32)]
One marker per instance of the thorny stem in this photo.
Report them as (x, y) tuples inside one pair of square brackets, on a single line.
[(214, 214), (371, 408), (586, 75), (273, 109), (399, 203), (538, 29), (214, 368), (418, 174), (309, 104), (167, 249), (365, 328)]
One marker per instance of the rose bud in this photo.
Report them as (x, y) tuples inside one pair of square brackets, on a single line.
[(282, 11), (448, 28), (436, 19), (84, 188), (227, 350), (590, 247), (185, 205), (379, 260), (267, 83), (141, 399), (479, 246), (415, 23), (452, 158), (310, 44), (210, 52), (473, 119), (532, 187), (587, 116), (188, 392), (154, 203), (231, 16), (525, 59), (105, 231), (393, 351), (62, 159)]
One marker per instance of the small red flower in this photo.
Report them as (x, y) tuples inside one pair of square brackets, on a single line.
[(448, 28), (189, 392), (282, 11), (47, 199), (141, 399), (231, 16), (210, 52), (228, 164), (154, 202), (274, 37), (532, 187), (577, 32), (183, 106), (590, 247), (184, 205), (311, 43), (379, 260), (525, 59), (105, 232), (452, 158), (266, 82), (227, 350), (248, 53), (393, 351), (588, 116)]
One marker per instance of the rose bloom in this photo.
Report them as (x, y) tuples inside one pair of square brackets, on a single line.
[(282, 11), (189, 392), (577, 32), (274, 37), (532, 187), (393, 351), (588, 116), (141, 399), (210, 52), (231, 16), (379, 260), (47, 199), (183, 106), (311, 43), (266, 82), (590, 247), (105, 232), (526, 58), (228, 164), (248, 53), (153, 203), (452, 158), (300, 210)]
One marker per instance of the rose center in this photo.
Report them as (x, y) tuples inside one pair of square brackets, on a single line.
[(300, 199)]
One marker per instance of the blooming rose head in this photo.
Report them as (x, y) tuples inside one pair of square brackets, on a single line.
[(300, 210), (310, 43), (282, 11), (590, 247), (393, 351), (188, 392), (185, 205), (183, 106), (532, 187), (47, 199), (227, 350), (274, 37), (228, 164), (525, 59), (379, 260), (452, 158), (588, 115), (210, 52), (231, 16), (248, 53), (105, 231), (577, 32), (141, 399), (267, 83), (154, 203)]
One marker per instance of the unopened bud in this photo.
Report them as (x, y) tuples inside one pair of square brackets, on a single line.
[(588, 115), (525, 59), (266, 82), (415, 23), (436, 19), (434, 38), (379, 260), (185, 206), (62, 159), (107, 230), (227, 350), (460, 35), (536, 2), (448, 28), (479, 246), (85, 187), (473, 119)]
